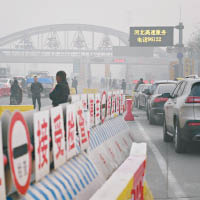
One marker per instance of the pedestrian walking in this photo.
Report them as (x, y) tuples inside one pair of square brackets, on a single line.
[(36, 89), (114, 84), (61, 92), (75, 84), (16, 93), (124, 86)]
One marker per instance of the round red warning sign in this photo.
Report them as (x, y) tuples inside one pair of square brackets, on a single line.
[(19, 146)]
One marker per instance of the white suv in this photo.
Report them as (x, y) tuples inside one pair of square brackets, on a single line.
[(182, 114)]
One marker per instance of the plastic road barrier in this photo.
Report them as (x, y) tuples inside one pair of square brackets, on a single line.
[(110, 144), (70, 167), (76, 179), (129, 115), (12, 108), (147, 192), (127, 181)]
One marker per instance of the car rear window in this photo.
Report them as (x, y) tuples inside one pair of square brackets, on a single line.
[(195, 91), (165, 88), (140, 87)]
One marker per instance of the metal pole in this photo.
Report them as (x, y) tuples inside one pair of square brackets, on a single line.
[(92, 40), (180, 45)]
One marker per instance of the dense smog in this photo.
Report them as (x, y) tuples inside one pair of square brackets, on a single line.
[(100, 100)]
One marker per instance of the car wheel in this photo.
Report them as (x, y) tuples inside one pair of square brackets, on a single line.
[(151, 119), (166, 137), (179, 143)]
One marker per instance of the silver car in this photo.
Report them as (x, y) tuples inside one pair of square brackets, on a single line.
[(182, 114), (142, 97), (136, 95)]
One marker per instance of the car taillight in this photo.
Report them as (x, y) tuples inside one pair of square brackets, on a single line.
[(160, 99), (193, 100), (194, 124)]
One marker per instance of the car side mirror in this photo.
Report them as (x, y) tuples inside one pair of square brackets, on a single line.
[(167, 95)]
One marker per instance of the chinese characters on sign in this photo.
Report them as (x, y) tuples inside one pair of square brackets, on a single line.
[(82, 128), (42, 148), (58, 136), (151, 36), (97, 108), (91, 108), (109, 103), (84, 101), (71, 131)]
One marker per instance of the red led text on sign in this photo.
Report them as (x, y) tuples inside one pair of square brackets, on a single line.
[(71, 130)]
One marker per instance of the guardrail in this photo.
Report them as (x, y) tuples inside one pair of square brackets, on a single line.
[(36, 142), (127, 182), (66, 152)]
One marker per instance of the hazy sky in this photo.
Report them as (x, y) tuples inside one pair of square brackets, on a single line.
[(17, 15)]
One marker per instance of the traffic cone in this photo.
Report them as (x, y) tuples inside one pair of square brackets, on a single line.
[(129, 115)]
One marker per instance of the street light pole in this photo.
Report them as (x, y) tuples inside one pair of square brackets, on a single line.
[(180, 46)]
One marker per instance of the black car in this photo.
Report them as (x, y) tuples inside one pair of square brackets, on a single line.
[(151, 91), (156, 104)]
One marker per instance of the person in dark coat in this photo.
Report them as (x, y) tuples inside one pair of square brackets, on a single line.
[(16, 93), (124, 86), (75, 84), (139, 82), (36, 89), (61, 92)]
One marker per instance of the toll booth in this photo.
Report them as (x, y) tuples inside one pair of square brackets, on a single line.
[(188, 66), (173, 70)]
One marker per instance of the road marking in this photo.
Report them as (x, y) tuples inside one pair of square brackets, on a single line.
[(179, 193)]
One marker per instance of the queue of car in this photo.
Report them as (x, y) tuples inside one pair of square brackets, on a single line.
[(175, 105)]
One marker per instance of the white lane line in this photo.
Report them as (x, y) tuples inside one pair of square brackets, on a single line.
[(173, 184)]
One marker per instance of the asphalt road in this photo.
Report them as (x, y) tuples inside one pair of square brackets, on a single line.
[(26, 101), (169, 175)]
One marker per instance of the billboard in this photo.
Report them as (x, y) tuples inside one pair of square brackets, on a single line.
[(151, 36)]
